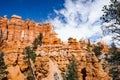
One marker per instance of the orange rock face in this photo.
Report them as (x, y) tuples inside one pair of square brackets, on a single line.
[(16, 34), (15, 73)]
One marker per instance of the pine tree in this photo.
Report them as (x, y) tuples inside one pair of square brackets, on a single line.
[(37, 41), (71, 73), (111, 20), (40, 37), (29, 56), (3, 67), (97, 49), (115, 61), (30, 53), (35, 44)]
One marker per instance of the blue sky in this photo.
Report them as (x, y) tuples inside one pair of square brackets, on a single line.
[(79, 19), (37, 10)]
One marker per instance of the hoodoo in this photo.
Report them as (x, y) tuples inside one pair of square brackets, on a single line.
[(52, 55)]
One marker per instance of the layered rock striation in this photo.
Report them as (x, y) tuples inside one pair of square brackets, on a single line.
[(52, 57)]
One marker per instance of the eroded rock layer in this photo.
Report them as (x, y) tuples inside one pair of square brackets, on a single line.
[(52, 57)]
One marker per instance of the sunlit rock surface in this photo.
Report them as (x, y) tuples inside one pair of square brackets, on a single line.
[(52, 57)]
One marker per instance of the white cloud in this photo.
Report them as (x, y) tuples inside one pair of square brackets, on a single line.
[(107, 39), (78, 19)]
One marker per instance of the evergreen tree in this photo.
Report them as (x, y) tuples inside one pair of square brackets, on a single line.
[(111, 18), (3, 67), (40, 37), (35, 44), (113, 48), (114, 62), (97, 49), (37, 41), (64, 75), (1, 40), (29, 56), (71, 73), (30, 53)]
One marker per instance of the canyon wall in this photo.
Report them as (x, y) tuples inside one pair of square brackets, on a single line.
[(52, 57)]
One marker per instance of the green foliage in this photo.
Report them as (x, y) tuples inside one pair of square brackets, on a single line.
[(37, 41), (113, 48), (1, 40), (97, 49), (115, 54), (30, 53), (71, 73), (114, 73), (116, 58), (3, 67), (111, 12), (114, 62), (63, 76), (112, 16), (40, 37)]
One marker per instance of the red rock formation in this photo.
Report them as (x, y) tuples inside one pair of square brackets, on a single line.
[(17, 34)]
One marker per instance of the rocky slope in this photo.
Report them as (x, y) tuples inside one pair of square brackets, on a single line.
[(52, 57)]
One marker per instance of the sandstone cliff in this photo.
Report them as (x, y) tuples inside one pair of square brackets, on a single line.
[(52, 57)]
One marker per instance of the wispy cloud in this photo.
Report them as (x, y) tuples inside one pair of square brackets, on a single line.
[(79, 19)]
